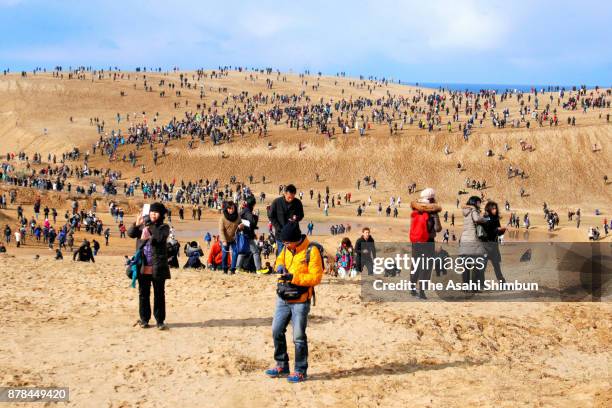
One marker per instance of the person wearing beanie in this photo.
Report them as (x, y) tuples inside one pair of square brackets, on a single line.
[(424, 225), (151, 234), (300, 265), (247, 216)]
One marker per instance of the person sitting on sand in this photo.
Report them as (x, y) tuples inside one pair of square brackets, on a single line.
[(215, 256), (193, 252)]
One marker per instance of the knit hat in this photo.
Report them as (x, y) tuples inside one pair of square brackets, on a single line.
[(291, 232), (158, 208), (428, 195)]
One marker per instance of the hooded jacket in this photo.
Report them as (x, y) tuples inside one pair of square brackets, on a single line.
[(228, 225), (433, 224), (469, 244), (215, 254), (247, 214)]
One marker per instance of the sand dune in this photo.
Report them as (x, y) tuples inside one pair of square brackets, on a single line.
[(72, 325), (451, 354)]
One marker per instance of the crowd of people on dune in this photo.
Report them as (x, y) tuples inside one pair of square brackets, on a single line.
[(238, 114)]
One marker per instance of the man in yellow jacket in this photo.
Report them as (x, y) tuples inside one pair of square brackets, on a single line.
[(300, 266)]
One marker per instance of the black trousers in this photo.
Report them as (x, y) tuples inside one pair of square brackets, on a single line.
[(159, 298), (425, 251)]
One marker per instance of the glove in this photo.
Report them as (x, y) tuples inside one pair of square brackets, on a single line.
[(287, 277)]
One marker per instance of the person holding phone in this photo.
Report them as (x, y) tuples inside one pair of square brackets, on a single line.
[(151, 234)]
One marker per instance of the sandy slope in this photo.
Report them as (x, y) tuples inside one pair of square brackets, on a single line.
[(562, 170), (69, 326)]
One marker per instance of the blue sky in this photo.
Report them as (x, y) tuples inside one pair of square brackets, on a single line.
[(472, 41)]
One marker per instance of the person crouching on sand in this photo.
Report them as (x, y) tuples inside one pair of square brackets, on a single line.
[(301, 267), (151, 234)]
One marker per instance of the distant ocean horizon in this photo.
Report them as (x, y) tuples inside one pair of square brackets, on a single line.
[(495, 87)]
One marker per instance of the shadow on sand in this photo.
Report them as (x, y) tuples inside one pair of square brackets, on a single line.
[(392, 368), (248, 322)]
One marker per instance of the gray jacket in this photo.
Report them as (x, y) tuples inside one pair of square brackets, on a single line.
[(469, 244)]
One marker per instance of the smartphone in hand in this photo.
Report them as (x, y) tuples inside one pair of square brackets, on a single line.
[(146, 209)]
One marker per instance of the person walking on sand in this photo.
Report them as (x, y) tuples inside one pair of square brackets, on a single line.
[(494, 231), (365, 251), (300, 265), (424, 225), (470, 244), (151, 234), (283, 210), (229, 225)]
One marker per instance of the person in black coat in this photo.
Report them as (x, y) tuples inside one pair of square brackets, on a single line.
[(151, 234), (247, 214), (84, 253), (283, 210), (493, 230), (365, 251)]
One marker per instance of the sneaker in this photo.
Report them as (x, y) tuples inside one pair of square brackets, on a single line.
[(297, 377), (142, 325), (162, 326), (277, 372)]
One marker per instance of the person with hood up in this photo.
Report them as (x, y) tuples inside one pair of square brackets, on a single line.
[(229, 225), (151, 234), (173, 251), (193, 252), (84, 253), (471, 245), (215, 255), (424, 225)]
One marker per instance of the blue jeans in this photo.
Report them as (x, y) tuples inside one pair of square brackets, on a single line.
[(225, 251), (297, 313)]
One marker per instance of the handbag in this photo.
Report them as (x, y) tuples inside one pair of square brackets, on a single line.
[(481, 234), (242, 244)]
